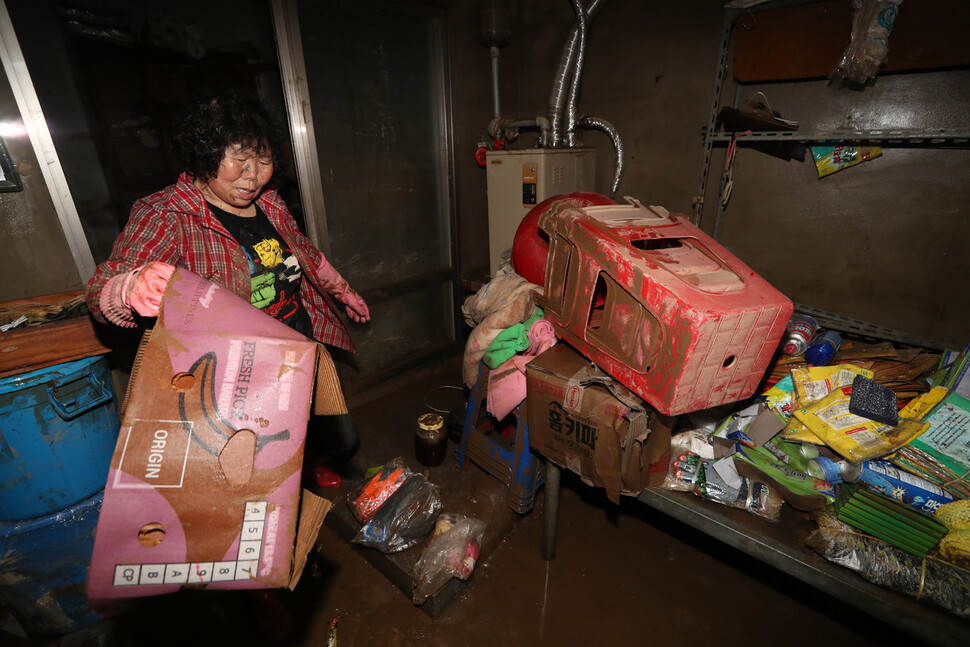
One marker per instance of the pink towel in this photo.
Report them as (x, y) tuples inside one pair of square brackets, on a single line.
[(507, 383)]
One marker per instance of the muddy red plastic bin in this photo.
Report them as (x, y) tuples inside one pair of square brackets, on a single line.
[(660, 305)]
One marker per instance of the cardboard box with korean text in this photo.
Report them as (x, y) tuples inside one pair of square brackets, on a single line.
[(204, 485), (582, 419)]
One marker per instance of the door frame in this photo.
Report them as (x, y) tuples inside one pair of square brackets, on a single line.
[(15, 67)]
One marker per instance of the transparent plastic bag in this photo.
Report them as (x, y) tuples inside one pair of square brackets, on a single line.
[(869, 46), (452, 552), (931, 580), (754, 496)]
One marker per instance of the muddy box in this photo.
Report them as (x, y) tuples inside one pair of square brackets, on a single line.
[(204, 485), (582, 419)]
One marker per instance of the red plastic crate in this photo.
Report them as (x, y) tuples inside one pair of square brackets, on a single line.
[(660, 305)]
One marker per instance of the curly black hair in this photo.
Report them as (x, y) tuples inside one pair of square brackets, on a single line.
[(219, 121)]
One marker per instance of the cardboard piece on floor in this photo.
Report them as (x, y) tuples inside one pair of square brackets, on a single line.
[(765, 426), (204, 486), (582, 419)]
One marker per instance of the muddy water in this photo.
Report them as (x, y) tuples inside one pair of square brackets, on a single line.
[(623, 575), (619, 578)]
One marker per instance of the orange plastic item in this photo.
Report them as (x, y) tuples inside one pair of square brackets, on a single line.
[(376, 491)]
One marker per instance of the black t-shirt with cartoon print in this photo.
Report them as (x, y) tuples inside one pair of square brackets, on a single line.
[(273, 267)]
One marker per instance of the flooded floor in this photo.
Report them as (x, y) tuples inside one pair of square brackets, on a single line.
[(622, 575)]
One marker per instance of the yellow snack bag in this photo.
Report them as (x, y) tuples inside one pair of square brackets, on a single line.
[(796, 431), (923, 404), (852, 436), (813, 383)]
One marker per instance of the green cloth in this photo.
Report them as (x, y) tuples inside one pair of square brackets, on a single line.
[(511, 341)]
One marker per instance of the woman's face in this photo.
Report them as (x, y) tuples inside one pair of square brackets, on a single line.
[(242, 175)]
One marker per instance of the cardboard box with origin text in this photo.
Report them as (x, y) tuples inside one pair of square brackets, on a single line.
[(204, 488)]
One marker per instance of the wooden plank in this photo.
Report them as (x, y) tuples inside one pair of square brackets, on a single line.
[(808, 41), (36, 347)]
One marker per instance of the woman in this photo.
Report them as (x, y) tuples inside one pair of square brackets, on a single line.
[(222, 221)]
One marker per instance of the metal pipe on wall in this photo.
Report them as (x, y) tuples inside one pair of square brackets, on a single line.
[(493, 50), (495, 34), (571, 106), (608, 128), (557, 98)]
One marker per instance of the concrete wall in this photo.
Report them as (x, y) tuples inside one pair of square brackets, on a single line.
[(881, 243)]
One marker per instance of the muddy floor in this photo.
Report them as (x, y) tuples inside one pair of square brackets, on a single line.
[(622, 575)]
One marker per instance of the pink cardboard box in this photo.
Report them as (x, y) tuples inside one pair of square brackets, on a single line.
[(204, 486)]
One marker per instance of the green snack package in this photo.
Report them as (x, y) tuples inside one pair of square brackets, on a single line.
[(831, 159)]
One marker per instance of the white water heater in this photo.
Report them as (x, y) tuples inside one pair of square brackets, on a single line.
[(518, 180)]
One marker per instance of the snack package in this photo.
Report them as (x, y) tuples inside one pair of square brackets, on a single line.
[(709, 485), (683, 472), (797, 431), (872, 22), (852, 436), (763, 501), (832, 159), (780, 398), (799, 489), (813, 383), (931, 580), (687, 450)]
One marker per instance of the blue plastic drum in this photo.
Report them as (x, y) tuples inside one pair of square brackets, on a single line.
[(44, 569), (58, 428)]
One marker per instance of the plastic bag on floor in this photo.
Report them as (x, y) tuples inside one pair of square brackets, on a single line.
[(452, 552), (377, 489), (405, 518)]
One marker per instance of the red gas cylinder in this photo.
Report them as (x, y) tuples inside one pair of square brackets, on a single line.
[(530, 247)]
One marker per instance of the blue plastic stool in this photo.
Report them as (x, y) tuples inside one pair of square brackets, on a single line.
[(510, 461)]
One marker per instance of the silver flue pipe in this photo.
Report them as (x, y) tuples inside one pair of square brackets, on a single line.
[(557, 98), (608, 128), (571, 104)]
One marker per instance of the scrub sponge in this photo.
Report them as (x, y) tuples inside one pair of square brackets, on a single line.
[(872, 400)]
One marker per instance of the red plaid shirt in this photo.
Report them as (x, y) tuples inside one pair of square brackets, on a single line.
[(176, 226)]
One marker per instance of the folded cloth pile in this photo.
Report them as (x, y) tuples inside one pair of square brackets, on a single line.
[(505, 301)]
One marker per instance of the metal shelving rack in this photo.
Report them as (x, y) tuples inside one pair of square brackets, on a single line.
[(929, 138), (949, 138)]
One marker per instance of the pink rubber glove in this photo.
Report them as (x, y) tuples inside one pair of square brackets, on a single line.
[(337, 285), (356, 307), (144, 289)]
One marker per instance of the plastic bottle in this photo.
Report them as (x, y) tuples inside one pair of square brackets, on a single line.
[(823, 348), (885, 478), (801, 329)]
